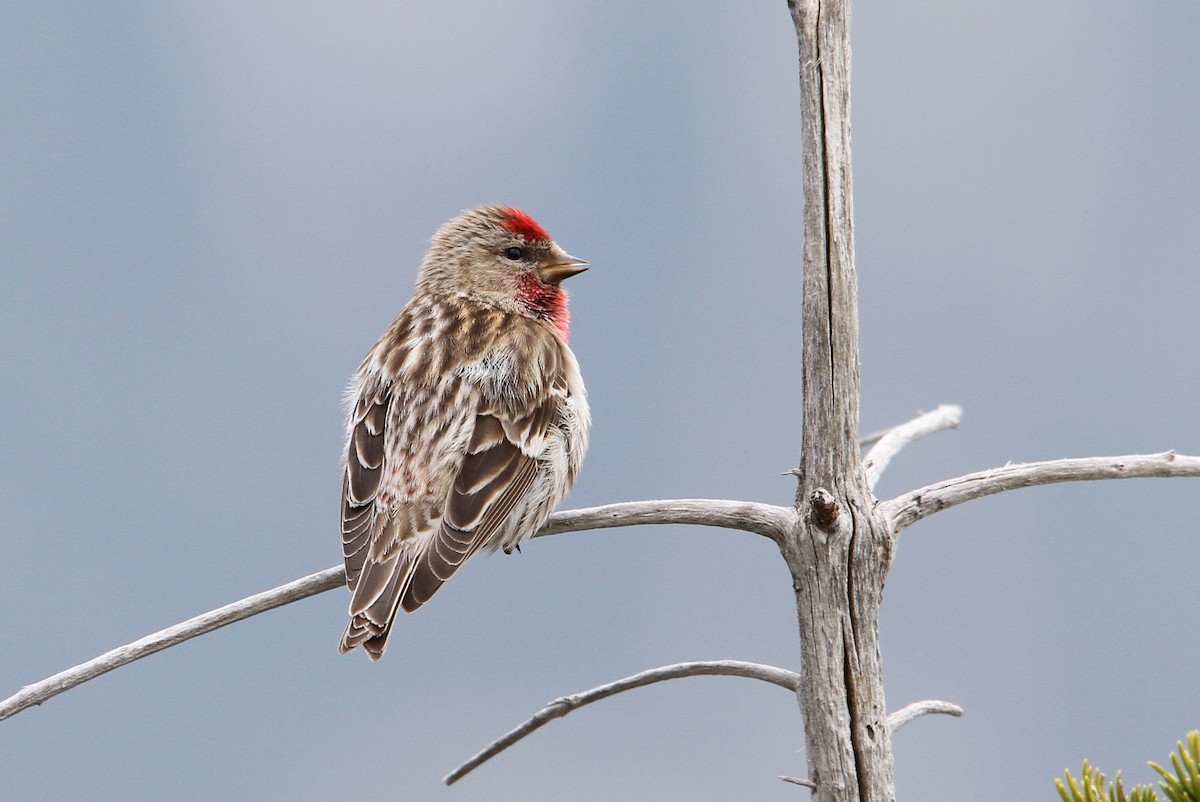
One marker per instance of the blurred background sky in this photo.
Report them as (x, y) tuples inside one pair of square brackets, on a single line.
[(210, 210)]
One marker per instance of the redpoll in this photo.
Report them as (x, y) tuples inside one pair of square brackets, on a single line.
[(468, 419)]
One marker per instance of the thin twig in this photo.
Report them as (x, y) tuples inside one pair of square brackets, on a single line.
[(39, 692), (946, 416), (763, 519), (798, 781), (907, 509), (563, 705), (910, 713)]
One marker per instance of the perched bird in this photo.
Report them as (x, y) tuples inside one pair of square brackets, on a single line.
[(468, 420)]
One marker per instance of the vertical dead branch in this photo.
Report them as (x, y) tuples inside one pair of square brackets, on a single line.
[(839, 550)]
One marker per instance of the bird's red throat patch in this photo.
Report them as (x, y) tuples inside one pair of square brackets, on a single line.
[(523, 225), (545, 302)]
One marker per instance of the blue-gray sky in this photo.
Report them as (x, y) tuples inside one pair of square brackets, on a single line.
[(211, 210)]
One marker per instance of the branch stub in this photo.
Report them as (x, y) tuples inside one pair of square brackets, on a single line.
[(824, 510)]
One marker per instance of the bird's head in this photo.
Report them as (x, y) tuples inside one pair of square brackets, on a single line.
[(501, 256)]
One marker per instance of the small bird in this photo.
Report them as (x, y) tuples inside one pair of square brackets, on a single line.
[(468, 420)]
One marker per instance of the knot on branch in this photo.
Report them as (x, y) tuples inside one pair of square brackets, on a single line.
[(825, 509)]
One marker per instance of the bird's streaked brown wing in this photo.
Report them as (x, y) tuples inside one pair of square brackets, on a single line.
[(498, 469), (360, 485), (391, 499), (399, 555), (496, 474)]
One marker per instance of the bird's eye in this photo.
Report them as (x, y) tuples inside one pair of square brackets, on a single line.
[(515, 253)]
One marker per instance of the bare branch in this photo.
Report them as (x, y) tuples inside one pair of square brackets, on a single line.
[(563, 705), (215, 619), (946, 416), (767, 520), (763, 519), (910, 713), (909, 508), (896, 721)]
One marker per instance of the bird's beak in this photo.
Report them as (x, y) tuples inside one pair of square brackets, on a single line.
[(563, 266)]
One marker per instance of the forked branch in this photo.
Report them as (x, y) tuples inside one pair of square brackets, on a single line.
[(789, 680), (901, 718), (763, 519), (907, 509)]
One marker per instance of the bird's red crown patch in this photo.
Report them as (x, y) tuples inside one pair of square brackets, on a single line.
[(525, 226)]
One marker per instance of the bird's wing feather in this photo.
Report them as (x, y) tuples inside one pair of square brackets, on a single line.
[(360, 485), (494, 477), (390, 510), (407, 528), (498, 469)]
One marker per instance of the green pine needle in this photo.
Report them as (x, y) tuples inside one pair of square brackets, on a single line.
[(1181, 786)]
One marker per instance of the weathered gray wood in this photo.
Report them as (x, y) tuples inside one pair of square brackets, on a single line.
[(768, 520), (50, 687), (840, 550), (910, 713), (565, 704), (837, 541), (764, 519), (892, 441), (907, 509)]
